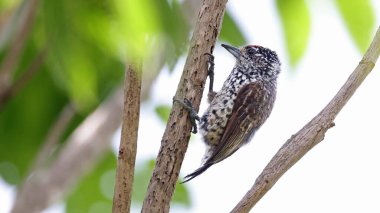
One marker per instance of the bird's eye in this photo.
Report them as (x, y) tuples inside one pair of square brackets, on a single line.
[(251, 51)]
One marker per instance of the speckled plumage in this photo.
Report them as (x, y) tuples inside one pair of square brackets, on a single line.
[(243, 104)]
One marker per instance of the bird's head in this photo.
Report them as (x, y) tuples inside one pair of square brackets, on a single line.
[(256, 60)]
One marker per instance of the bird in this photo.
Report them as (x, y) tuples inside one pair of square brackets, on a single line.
[(240, 108)]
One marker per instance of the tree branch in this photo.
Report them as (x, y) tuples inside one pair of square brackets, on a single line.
[(54, 136), (311, 134), (12, 89), (177, 133), (12, 57), (128, 142)]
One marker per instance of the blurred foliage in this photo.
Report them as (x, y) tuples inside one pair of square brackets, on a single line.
[(181, 195), (358, 15), (26, 119), (359, 18), (295, 20), (140, 185), (5, 4), (141, 181), (87, 44), (162, 19), (95, 192), (231, 32), (80, 55), (163, 112)]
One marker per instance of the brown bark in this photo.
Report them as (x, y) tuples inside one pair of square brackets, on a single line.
[(128, 142), (311, 134), (177, 133)]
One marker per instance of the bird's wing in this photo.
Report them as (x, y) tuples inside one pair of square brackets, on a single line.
[(244, 121)]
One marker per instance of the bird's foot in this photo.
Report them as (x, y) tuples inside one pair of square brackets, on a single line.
[(192, 113), (210, 73)]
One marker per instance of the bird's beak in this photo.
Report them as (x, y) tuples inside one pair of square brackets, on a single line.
[(233, 50)]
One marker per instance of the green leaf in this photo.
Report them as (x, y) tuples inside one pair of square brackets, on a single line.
[(81, 56), (181, 195), (95, 191), (136, 22), (163, 111), (9, 172), (359, 17), (141, 181), (7, 4), (81, 82), (177, 29), (295, 20), (231, 32)]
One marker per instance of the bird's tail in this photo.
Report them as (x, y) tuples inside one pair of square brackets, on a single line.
[(197, 172)]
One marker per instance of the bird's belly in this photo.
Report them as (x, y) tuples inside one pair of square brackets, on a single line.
[(214, 121), (213, 132)]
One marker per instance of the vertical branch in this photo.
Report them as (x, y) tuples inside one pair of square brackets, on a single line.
[(311, 134), (177, 133), (128, 142)]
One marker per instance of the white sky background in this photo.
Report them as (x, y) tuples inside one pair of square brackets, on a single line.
[(341, 174)]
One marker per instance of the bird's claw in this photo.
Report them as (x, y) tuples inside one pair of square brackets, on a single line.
[(210, 71), (192, 113)]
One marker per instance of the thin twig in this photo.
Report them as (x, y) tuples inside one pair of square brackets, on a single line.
[(177, 132), (54, 136), (11, 58), (128, 143), (311, 134), (12, 89)]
